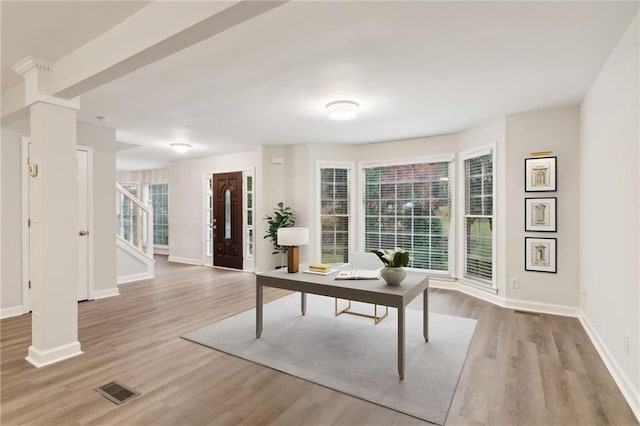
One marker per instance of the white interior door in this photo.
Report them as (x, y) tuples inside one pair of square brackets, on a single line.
[(83, 224)]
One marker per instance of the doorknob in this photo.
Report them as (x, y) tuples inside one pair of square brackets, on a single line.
[(83, 233)]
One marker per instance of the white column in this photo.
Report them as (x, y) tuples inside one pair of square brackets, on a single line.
[(54, 233)]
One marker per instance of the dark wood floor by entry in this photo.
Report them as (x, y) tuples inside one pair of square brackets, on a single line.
[(521, 369)]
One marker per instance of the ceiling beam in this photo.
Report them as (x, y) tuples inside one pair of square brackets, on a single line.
[(152, 33)]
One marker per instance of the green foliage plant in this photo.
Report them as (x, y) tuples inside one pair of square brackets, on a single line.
[(395, 258), (282, 217)]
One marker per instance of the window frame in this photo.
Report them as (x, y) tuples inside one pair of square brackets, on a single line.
[(438, 158), (350, 167), (147, 194), (462, 273), (248, 260)]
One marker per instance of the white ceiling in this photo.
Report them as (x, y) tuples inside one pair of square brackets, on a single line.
[(416, 68), (51, 29)]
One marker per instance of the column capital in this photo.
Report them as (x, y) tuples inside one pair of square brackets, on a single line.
[(30, 63), (37, 77)]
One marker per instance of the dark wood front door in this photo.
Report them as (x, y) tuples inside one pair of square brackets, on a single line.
[(227, 220)]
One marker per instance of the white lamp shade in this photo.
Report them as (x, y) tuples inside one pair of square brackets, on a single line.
[(293, 236)]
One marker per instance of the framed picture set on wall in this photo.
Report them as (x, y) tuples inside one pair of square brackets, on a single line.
[(540, 254), (540, 174), (540, 214)]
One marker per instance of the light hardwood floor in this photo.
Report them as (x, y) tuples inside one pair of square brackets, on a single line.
[(521, 369)]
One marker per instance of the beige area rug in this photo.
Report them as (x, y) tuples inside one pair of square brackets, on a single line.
[(350, 354)]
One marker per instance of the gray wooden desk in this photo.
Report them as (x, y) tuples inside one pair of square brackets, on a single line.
[(368, 291)]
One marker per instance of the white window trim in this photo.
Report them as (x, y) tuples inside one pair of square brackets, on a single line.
[(462, 278), (133, 183), (147, 200), (350, 167), (248, 262), (439, 158), (205, 192)]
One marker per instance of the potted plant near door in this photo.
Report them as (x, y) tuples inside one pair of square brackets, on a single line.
[(282, 217)]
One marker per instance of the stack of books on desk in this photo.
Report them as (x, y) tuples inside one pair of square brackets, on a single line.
[(320, 269)]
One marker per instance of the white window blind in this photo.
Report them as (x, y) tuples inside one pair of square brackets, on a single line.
[(478, 217), (334, 214), (408, 206)]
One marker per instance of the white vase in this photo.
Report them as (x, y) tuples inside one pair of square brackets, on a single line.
[(393, 275)]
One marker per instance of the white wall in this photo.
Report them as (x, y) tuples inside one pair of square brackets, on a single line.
[(186, 200), (609, 206), (103, 142), (11, 231), (554, 130), (143, 177), (270, 190)]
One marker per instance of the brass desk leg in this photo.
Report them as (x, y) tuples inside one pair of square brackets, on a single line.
[(376, 319)]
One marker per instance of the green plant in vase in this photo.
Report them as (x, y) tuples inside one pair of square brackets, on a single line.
[(394, 263), (282, 217)]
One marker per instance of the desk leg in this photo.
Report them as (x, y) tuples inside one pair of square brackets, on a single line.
[(425, 314), (303, 303), (401, 342), (258, 311)]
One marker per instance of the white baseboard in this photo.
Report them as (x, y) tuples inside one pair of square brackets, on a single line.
[(542, 308), (103, 294), (162, 251), (135, 277), (50, 356), (630, 393), (521, 305), (13, 311), (197, 262)]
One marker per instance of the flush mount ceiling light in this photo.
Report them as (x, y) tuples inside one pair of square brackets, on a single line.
[(342, 110), (180, 148)]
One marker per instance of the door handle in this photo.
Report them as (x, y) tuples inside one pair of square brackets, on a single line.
[(83, 233)]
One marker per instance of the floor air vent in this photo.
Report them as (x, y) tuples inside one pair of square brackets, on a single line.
[(117, 392), (526, 312)]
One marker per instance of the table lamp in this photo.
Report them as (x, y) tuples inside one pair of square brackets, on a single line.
[(292, 238)]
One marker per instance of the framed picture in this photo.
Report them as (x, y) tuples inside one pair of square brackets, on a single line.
[(540, 214), (540, 254), (540, 174)]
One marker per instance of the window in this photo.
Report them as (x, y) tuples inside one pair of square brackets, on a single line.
[(128, 214), (409, 206), (209, 215), (478, 217), (250, 226), (334, 214), (159, 196)]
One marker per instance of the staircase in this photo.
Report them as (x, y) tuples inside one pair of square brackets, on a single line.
[(134, 237)]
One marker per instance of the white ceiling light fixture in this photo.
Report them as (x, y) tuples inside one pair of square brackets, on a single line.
[(180, 148), (342, 110)]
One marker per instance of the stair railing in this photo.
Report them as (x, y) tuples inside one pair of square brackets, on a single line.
[(134, 220)]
